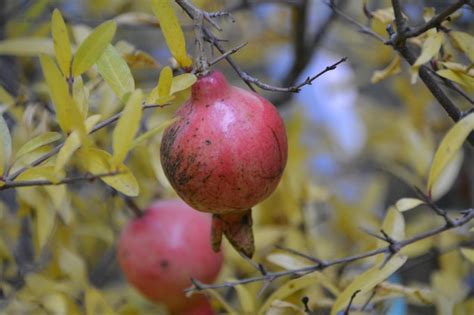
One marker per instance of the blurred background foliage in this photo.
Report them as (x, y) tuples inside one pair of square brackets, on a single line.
[(360, 138)]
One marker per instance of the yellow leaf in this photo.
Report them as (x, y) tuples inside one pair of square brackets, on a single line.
[(45, 222), (27, 46), (127, 127), (6, 145), (40, 172), (228, 309), (289, 288), (393, 225), (468, 253), (72, 143), (430, 48), (448, 176), (182, 82), (465, 42), (172, 31), (96, 230), (81, 95), (385, 15), (116, 72), (93, 47), (164, 84), (457, 76), (247, 302), (449, 146), (406, 204), (96, 303), (55, 303), (150, 133), (366, 281), (5, 97), (287, 261), (37, 142), (392, 69), (68, 115), (72, 265), (99, 162), (5, 253), (62, 45)]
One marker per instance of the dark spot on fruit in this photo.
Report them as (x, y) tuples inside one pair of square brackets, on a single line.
[(207, 105), (187, 122), (164, 264), (208, 142), (222, 99)]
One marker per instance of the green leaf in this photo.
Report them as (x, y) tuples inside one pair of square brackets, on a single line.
[(62, 45), (37, 142), (27, 46), (127, 127), (68, 115), (172, 31), (366, 282), (93, 47), (6, 146), (116, 72), (449, 146)]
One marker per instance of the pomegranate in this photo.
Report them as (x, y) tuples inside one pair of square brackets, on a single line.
[(225, 153), (161, 251)]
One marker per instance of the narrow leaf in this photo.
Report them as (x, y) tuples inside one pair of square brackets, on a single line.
[(430, 48), (37, 142), (366, 282), (172, 31), (116, 72), (6, 145), (92, 48), (164, 84), (127, 127), (392, 69), (27, 46), (68, 115), (62, 45), (406, 204), (182, 82), (449, 146), (465, 42), (150, 133)]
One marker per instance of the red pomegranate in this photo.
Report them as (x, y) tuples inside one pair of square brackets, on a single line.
[(225, 154), (161, 251)]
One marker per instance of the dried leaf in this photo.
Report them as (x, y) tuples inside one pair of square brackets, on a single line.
[(62, 45), (116, 72), (172, 31), (449, 146), (93, 47), (127, 127)]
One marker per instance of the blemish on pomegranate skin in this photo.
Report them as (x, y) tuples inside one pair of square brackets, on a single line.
[(164, 264), (208, 142)]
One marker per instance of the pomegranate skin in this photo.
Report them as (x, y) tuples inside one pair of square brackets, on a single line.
[(228, 149), (161, 251)]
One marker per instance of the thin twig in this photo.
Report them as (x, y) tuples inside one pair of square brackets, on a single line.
[(466, 217), (64, 181), (56, 149), (348, 308), (228, 53), (436, 20)]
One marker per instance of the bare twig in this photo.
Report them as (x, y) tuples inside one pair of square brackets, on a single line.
[(436, 20), (228, 53), (297, 253), (466, 217)]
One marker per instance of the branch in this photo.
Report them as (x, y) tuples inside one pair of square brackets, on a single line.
[(56, 149), (436, 20), (67, 180), (466, 216), (195, 14)]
